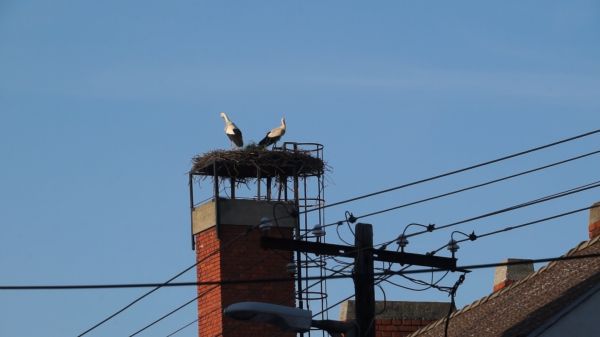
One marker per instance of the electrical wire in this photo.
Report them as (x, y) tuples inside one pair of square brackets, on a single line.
[(351, 218), (401, 245), (473, 267), (563, 258), (306, 289), (168, 314), (184, 271), (183, 327), (373, 194), (329, 269), (377, 282), (477, 185), (417, 281), (227, 244), (468, 168), (511, 263), (214, 286), (474, 237), (403, 272), (286, 279), (429, 285), (431, 227), (337, 230), (452, 296), (382, 309), (565, 193)]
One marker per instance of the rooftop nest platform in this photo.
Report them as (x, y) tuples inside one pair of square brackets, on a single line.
[(257, 163)]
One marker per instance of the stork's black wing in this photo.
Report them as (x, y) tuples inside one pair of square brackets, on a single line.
[(236, 137), (266, 141)]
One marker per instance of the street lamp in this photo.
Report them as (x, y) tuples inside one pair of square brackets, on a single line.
[(287, 318)]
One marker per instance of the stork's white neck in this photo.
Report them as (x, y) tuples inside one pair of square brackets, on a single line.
[(283, 123), (225, 117)]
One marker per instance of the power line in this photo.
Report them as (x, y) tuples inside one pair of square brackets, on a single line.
[(468, 168), (477, 185), (468, 268), (286, 279), (238, 323), (578, 189), (549, 197), (135, 301), (379, 280), (158, 286), (474, 237), (169, 313), (388, 273), (489, 182), (506, 229), (214, 286), (452, 295), (492, 265), (465, 268), (546, 198), (463, 170), (519, 262), (249, 229), (183, 327), (427, 285)]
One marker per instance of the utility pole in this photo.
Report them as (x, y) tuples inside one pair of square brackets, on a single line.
[(364, 280), (364, 256)]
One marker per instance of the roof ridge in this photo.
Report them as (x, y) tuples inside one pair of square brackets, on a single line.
[(579, 247)]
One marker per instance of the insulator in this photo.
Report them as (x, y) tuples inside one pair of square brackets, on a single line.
[(318, 231), (402, 241), (453, 246), (265, 224), (291, 268)]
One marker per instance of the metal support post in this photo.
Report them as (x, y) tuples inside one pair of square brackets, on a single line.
[(364, 280)]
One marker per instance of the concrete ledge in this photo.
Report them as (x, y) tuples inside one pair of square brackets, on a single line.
[(242, 213)]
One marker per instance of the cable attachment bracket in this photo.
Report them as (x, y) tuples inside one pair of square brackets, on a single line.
[(350, 217)]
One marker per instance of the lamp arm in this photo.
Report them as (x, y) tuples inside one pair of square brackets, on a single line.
[(336, 328)]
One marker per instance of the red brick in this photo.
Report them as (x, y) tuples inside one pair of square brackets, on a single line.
[(243, 259), (594, 229)]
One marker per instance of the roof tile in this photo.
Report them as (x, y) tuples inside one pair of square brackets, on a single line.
[(525, 304)]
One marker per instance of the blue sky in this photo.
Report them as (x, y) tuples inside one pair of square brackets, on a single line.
[(103, 105)]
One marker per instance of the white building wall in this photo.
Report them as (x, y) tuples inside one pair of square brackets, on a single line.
[(581, 320)]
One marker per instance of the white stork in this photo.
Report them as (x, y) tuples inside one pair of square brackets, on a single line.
[(274, 135), (232, 131)]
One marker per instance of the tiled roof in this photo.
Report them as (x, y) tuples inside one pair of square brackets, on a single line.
[(523, 306)]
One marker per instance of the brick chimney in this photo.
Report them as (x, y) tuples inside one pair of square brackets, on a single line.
[(507, 275), (229, 252), (594, 224)]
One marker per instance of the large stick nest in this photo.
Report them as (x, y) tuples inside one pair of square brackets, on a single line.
[(253, 163)]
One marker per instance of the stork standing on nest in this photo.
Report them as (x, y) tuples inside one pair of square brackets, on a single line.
[(232, 131), (274, 135)]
